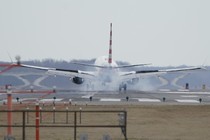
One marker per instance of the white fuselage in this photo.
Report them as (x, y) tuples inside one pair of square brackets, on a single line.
[(103, 61), (108, 74)]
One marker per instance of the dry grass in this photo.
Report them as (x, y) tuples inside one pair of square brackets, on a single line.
[(145, 122)]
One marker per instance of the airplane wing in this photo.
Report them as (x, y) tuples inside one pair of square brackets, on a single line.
[(62, 72), (7, 67), (128, 66), (136, 74)]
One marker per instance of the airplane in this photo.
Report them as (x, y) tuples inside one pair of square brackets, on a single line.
[(107, 74)]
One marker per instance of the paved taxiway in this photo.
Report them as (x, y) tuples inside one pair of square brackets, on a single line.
[(111, 97)]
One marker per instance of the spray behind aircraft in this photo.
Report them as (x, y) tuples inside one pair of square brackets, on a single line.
[(108, 75)]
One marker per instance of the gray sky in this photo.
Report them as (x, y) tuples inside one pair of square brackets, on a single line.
[(161, 32)]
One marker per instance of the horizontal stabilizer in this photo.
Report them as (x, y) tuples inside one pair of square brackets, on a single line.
[(135, 65), (123, 66)]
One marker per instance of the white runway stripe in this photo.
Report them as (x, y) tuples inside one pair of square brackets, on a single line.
[(28, 99), (186, 101), (86, 96), (164, 90), (189, 96), (189, 92), (148, 100), (5, 101), (50, 100), (110, 100)]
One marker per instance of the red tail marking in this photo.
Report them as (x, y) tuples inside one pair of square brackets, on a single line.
[(110, 45)]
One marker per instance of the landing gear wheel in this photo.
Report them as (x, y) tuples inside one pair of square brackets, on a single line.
[(123, 86)]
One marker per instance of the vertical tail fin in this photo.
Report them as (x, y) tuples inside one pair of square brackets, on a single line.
[(110, 45)]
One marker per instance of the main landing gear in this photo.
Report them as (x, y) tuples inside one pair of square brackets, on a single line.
[(123, 86)]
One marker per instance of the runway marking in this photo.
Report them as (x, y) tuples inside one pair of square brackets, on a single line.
[(28, 99), (50, 100), (190, 96), (5, 101), (110, 100), (148, 100), (183, 90), (164, 90), (190, 92), (87, 96), (186, 101)]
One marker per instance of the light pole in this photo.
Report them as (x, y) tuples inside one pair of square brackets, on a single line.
[(80, 114), (9, 107)]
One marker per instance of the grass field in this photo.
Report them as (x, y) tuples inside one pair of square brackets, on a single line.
[(145, 122)]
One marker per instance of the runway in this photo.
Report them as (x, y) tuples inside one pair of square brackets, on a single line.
[(161, 94), (113, 97)]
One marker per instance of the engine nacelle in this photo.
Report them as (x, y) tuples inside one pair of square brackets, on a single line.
[(77, 80)]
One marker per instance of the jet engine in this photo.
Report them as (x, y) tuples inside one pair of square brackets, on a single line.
[(77, 80)]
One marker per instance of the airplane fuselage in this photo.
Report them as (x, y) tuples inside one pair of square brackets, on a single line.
[(108, 74)]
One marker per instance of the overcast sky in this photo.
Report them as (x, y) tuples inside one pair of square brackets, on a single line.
[(161, 32)]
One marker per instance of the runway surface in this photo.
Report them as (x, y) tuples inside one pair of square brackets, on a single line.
[(113, 97), (162, 95)]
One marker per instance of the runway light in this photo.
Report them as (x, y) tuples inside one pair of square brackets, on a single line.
[(32, 88), (54, 100), (9, 89), (54, 89), (164, 99), (91, 98), (69, 101), (17, 99)]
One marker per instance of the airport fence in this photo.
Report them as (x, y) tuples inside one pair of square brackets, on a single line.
[(35, 122)]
